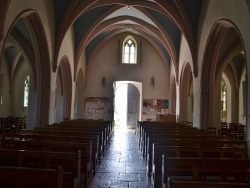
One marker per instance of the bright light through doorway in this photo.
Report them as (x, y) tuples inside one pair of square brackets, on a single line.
[(120, 115)]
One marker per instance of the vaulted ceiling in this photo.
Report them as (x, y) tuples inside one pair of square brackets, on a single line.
[(158, 22)]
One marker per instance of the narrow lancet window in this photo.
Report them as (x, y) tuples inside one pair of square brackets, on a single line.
[(129, 51), (26, 91)]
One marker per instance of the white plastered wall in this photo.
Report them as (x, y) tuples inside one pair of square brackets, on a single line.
[(106, 65)]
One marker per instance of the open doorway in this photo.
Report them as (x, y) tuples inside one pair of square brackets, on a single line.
[(127, 103)]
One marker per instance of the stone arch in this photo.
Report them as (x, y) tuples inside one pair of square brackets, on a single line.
[(66, 85), (79, 95), (186, 73), (43, 66), (212, 68), (58, 112), (39, 113), (172, 101)]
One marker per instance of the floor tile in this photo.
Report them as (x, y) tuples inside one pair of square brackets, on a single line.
[(123, 165)]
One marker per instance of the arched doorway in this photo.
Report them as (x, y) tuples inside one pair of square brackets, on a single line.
[(127, 100)]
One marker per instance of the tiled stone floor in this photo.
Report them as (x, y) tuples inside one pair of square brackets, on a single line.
[(122, 165)]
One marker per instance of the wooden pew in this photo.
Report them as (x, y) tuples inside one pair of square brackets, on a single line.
[(191, 152), (166, 130), (180, 135), (142, 124), (108, 125), (191, 142), (58, 138), (70, 161), (86, 127), (23, 177), (85, 148), (101, 132), (163, 127), (196, 169), (205, 184), (66, 133)]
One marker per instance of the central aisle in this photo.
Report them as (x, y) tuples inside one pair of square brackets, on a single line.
[(122, 165)]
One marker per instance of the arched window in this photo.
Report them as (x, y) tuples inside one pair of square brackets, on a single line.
[(129, 51), (224, 97), (26, 91)]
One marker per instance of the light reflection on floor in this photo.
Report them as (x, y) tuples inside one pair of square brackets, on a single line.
[(122, 165)]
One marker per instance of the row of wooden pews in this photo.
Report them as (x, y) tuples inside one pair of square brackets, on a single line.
[(72, 150), (177, 153)]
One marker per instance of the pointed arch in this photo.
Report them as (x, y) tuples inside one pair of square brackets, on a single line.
[(175, 13), (129, 52), (145, 38), (172, 102), (114, 35), (66, 81), (212, 68), (27, 52), (165, 39), (80, 95), (184, 91), (41, 99), (43, 67)]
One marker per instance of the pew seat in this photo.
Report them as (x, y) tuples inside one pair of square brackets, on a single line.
[(23, 177), (85, 148), (70, 162), (197, 169), (205, 184), (191, 152)]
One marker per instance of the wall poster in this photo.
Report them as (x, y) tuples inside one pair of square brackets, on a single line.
[(99, 106), (155, 106)]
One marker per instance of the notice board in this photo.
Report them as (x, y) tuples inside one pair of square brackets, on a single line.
[(155, 106), (99, 106)]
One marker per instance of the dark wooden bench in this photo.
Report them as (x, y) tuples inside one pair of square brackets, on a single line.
[(70, 161), (66, 133), (197, 169), (166, 129), (169, 130), (191, 152), (85, 148), (101, 132), (191, 142), (107, 124), (180, 135), (23, 177), (205, 184), (93, 139), (80, 128), (141, 124)]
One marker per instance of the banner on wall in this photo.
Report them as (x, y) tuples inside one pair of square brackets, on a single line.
[(98, 106), (155, 106)]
